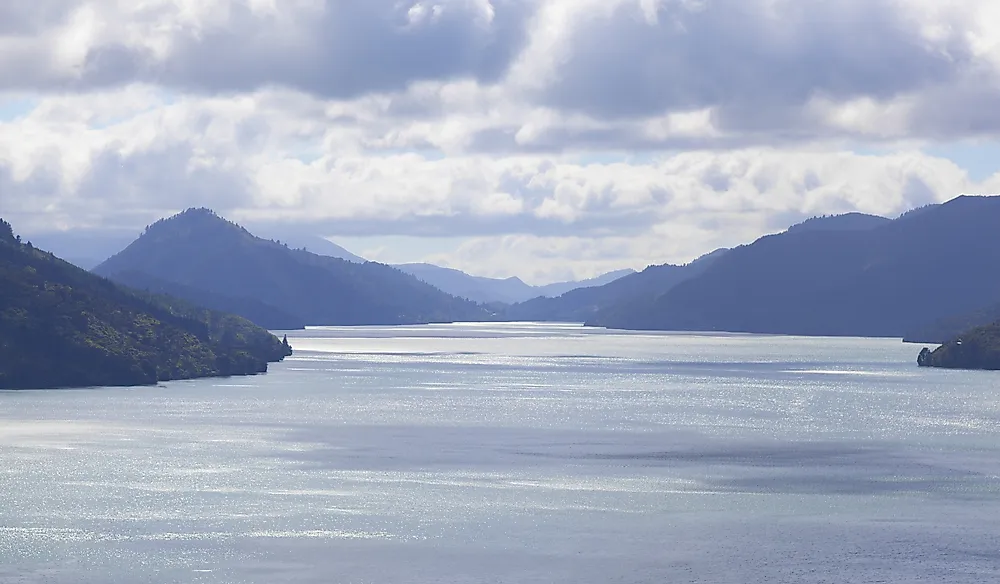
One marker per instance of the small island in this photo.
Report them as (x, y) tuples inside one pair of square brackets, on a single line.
[(62, 327), (978, 348)]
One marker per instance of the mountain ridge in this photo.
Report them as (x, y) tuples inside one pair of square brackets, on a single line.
[(597, 302), (879, 282), (504, 290)]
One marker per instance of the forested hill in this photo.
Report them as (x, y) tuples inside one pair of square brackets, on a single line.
[(886, 280), (61, 326), (978, 348), (202, 255)]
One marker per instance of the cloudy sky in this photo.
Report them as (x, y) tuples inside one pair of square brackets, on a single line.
[(539, 138)]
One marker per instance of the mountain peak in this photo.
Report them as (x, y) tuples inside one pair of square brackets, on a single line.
[(196, 212), (193, 223)]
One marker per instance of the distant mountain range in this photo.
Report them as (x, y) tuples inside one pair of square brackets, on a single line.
[(61, 326), (311, 243), (630, 292), (926, 275), (89, 248), (84, 248), (449, 280), (203, 258), (842, 276), (489, 290)]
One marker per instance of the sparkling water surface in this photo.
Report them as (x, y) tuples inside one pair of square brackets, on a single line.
[(515, 453)]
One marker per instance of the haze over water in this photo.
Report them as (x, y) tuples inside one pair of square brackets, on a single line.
[(515, 453)]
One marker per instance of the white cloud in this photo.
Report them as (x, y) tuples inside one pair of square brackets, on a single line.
[(82, 161), (556, 136)]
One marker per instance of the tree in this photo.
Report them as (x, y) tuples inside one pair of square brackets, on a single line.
[(6, 231)]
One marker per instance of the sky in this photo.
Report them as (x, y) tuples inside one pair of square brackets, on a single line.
[(546, 139)]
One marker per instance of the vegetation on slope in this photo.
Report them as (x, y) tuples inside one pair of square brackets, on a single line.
[(978, 348), (61, 326)]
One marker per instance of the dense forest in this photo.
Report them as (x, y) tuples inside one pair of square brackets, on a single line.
[(61, 326), (978, 348)]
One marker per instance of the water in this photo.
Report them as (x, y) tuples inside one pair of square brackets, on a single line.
[(515, 453)]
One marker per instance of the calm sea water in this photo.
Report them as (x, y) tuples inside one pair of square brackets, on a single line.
[(515, 453)]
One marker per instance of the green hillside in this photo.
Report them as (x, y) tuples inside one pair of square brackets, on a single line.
[(61, 326), (978, 348)]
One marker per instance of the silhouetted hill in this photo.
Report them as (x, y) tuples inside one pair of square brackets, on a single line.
[(61, 326), (883, 281), (200, 250), (978, 348), (487, 290)]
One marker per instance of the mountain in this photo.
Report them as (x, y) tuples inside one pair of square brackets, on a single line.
[(491, 290), (84, 248), (206, 255), (475, 288), (978, 348), (883, 281), (603, 302), (312, 243), (263, 315), (560, 288), (61, 326)]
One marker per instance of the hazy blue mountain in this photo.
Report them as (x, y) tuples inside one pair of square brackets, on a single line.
[(476, 288), (61, 326), (883, 281), (199, 250), (560, 288), (312, 243), (487, 290), (88, 248), (84, 248), (598, 302)]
